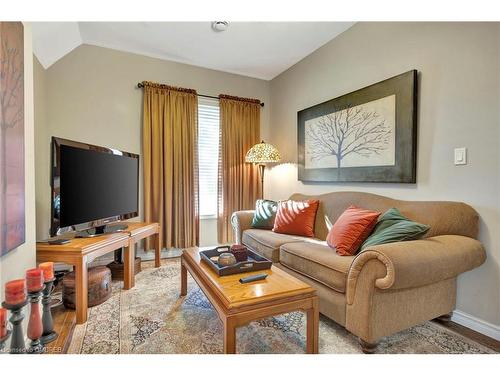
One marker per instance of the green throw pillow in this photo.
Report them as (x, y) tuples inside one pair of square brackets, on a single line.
[(394, 227), (265, 213)]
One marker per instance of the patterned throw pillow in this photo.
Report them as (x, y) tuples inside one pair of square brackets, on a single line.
[(351, 229), (296, 217), (265, 213), (392, 226)]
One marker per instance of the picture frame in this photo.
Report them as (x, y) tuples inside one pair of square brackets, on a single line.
[(12, 180), (368, 135)]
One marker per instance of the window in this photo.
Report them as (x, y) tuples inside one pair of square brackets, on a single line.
[(208, 155)]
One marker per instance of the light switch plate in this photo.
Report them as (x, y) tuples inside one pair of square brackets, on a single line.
[(461, 156)]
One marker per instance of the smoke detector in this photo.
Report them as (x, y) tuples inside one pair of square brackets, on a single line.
[(220, 26)]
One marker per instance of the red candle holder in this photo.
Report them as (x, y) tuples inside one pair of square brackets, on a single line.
[(35, 326)]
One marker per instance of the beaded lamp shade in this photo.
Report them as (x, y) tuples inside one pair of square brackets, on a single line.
[(263, 153)]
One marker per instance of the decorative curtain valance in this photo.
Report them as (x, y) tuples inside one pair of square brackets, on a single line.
[(167, 87), (239, 99)]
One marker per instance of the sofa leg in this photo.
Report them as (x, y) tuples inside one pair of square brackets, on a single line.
[(367, 347), (446, 318)]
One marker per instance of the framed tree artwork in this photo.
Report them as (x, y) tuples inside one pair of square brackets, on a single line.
[(12, 223), (368, 135)]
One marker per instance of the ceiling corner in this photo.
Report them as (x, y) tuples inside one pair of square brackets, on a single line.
[(53, 40)]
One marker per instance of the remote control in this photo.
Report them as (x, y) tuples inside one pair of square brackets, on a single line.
[(60, 241), (249, 279)]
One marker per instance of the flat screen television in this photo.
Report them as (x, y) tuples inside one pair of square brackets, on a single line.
[(91, 187)]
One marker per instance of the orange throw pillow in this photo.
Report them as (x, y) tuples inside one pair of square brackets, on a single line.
[(296, 217), (351, 229)]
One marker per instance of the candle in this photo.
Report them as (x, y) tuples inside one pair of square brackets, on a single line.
[(3, 322), (34, 279), (48, 270), (15, 292)]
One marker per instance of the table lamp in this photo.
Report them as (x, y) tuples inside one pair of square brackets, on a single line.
[(262, 153)]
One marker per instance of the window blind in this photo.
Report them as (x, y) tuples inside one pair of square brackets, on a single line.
[(208, 155)]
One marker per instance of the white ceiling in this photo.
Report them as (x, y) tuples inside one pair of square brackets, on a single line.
[(255, 49)]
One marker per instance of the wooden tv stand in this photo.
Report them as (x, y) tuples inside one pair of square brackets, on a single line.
[(79, 252)]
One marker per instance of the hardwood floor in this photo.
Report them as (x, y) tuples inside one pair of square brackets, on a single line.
[(64, 324), (473, 335)]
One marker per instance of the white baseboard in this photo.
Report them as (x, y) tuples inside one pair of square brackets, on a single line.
[(476, 324)]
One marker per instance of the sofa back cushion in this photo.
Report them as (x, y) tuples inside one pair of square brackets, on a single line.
[(443, 217), (296, 217)]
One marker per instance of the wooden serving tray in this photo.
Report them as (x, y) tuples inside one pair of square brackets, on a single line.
[(255, 262)]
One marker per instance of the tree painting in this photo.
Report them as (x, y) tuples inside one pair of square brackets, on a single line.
[(12, 224), (354, 136)]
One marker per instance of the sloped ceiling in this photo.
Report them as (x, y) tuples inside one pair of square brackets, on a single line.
[(54, 40), (255, 49)]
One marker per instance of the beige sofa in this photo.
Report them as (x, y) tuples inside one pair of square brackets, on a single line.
[(386, 288)]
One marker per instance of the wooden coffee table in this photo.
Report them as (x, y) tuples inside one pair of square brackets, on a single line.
[(238, 304)]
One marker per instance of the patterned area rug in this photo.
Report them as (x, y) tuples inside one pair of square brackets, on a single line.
[(151, 318)]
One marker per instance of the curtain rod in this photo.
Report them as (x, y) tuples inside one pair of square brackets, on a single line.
[(140, 86)]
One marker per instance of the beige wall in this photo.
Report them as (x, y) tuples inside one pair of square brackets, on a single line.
[(14, 264), (90, 96), (459, 101), (42, 150)]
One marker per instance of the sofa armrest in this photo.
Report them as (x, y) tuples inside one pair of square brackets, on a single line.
[(241, 220), (412, 264)]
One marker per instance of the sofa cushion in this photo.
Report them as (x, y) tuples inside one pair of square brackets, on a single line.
[(394, 227), (296, 218), (351, 229), (265, 213), (266, 242), (318, 261)]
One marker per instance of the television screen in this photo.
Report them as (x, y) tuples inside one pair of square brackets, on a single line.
[(92, 183)]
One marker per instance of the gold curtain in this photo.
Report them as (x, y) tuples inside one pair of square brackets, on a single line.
[(239, 183), (170, 147)]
